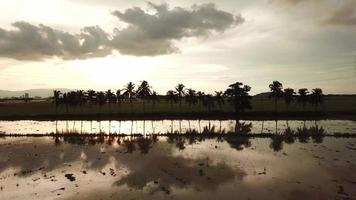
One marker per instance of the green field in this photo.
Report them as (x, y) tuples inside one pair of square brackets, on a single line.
[(262, 106)]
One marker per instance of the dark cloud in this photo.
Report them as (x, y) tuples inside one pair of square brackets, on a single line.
[(346, 15), (29, 42), (152, 34), (146, 34)]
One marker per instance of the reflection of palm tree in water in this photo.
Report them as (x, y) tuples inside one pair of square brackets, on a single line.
[(242, 128), (277, 143), (172, 126), (180, 126), (238, 142)]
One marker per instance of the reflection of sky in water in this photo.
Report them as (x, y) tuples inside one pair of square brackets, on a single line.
[(159, 168), (165, 126)]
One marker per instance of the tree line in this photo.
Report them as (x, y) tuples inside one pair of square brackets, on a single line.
[(237, 94)]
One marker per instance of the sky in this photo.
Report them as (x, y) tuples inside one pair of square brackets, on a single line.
[(206, 45)]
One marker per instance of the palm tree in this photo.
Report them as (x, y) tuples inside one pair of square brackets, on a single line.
[(219, 98), (56, 98), (172, 97), (317, 97), (288, 96), (154, 98), (118, 97), (143, 92), (303, 96), (101, 99), (129, 92), (180, 92), (191, 97), (208, 102), (201, 96), (276, 92), (239, 96), (91, 94)]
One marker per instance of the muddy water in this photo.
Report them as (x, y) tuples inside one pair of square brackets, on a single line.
[(174, 167), (167, 126)]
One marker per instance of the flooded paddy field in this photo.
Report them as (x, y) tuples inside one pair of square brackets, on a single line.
[(206, 165), (24, 127)]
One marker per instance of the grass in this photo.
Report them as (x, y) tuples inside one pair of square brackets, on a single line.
[(262, 106)]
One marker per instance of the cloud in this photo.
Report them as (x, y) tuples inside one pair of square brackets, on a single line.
[(146, 34), (29, 42), (153, 34), (346, 15)]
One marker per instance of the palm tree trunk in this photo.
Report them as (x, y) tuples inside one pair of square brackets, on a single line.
[(131, 126), (180, 126), (171, 126), (199, 126), (189, 125), (220, 126), (56, 127)]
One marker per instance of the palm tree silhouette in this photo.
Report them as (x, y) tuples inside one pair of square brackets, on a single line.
[(154, 98), (317, 97), (303, 96), (101, 99), (276, 92), (239, 96), (110, 96), (180, 92), (56, 98), (171, 97), (201, 96), (129, 92), (219, 98), (288, 96), (143, 92), (118, 97), (191, 97), (91, 96)]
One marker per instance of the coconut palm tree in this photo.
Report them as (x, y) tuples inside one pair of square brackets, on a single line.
[(276, 92), (129, 92), (208, 102), (172, 97), (110, 96), (91, 94), (191, 97), (180, 92), (101, 99), (201, 96), (317, 97), (303, 96), (118, 97), (219, 98), (56, 98), (288, 96), (154, 98), (143, 92), (238, 95)]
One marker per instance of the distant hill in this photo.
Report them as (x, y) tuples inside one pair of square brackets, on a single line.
[(32, 92)]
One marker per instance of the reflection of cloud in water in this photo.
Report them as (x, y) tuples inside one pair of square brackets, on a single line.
[(166, 171), (152, 163)]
